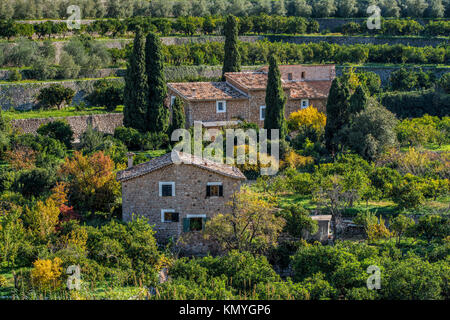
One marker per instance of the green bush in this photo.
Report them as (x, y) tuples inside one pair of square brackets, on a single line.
[(107, 93), (415, 104), (55, 96), (129, 136), (59, 130), (34, 182), (15, 75)]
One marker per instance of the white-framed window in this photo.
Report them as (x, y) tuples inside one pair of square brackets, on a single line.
[(262, 112), (221, 106), (167, 189), (214, 189), (172, 100), (194, 222), (169, 215), (305, 103)]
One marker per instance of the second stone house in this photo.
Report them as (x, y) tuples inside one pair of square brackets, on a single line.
[(242, 95)]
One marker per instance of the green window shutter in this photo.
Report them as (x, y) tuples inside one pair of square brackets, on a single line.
[(204, 222), (185, 224)]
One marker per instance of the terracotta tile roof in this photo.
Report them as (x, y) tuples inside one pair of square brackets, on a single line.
[(308, 89), (249, 80), (299, 89), (207, 91), (166, 160)]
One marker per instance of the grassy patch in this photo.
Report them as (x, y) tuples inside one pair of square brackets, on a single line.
[(66, 112), (6, 290)]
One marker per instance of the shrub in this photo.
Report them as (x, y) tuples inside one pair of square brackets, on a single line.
[(107, 93), (55, 96), (15, 75), (46, 274), (129, 136), (3, 281), (408, 193), (93, 184), (411, 279), (35, 181), (59, 130)]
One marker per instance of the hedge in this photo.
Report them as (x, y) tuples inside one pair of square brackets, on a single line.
[(414, 104)]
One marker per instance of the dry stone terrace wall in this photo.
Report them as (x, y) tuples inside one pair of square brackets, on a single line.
[(22, 96), (102, 122)]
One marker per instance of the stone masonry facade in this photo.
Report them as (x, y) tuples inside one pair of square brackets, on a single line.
[(242, 95), (142, 196)]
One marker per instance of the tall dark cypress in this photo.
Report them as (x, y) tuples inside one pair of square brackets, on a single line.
[(338, 113), (135, 92), (178, 115), (275, 100), (358, 100), (157, 112), (232, 58)]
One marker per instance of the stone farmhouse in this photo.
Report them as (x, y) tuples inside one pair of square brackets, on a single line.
[(177, 197), (242, 95)]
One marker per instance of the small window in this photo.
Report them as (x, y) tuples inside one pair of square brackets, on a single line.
[(262, 112), (194, 222), (172, 100), (167, 189), (303, 75), (221, 106), (214, 189), (169, 215), (289, 76), (305, 103)]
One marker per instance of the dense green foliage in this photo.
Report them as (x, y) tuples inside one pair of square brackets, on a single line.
[(275, 101), (55, 96), (157, 114), (136, 87), (232, 58), (159, 8)]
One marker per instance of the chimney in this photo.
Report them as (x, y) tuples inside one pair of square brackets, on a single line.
[(194, 92), (130, 156)]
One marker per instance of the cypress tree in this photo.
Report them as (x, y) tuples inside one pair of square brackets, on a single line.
[(135, 92), (275, 100), (178, 115), (232, 58), (338, 114), (157, 112), (358, 100)]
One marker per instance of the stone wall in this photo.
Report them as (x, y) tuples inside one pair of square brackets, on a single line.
[(102, 122), (22, 96), (346, 40)]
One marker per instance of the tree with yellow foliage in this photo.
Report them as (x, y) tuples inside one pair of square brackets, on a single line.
[(43, 218), (92, 181), (308, 117), (251, 224), (46, 274), (308, 124)]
